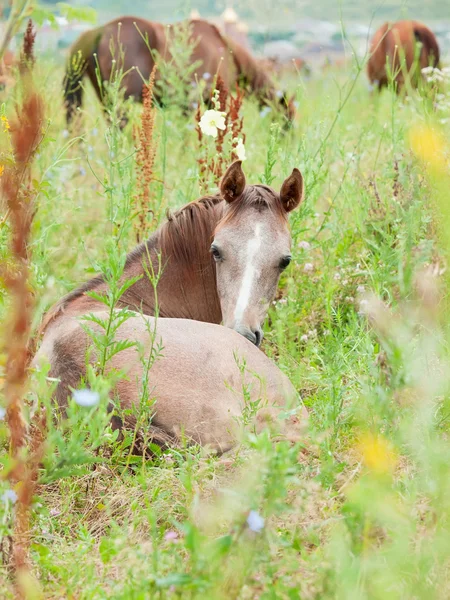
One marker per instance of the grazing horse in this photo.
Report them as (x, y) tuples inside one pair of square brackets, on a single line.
[(395, 53), (222, 260), (129, 43), (222, 257)]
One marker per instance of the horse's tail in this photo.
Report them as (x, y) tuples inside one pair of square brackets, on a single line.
[(429, 53), (80, 58)]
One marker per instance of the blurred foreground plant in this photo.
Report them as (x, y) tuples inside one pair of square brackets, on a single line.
[(17, 189)]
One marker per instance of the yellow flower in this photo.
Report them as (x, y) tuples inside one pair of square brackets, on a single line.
[(378, 454), (428, 145), (2, 168), (5, 123)]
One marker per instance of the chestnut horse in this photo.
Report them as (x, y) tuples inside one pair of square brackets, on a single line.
[(395, 53), (131, 42), (222, 257)]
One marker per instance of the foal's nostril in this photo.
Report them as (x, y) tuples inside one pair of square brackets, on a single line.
[(258, 337)]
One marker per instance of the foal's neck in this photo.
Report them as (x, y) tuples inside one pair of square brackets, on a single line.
[(187, 283)]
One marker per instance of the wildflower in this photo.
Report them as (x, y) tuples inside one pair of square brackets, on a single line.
[(170, 536), (9, 496), (363, 306), (65, 133), (206, 75), (337, 276), (427, 70), (211, 121), (2, 168), (308, 267), (377, 454), (265, 111), (82, 171), (95, 131), (304, 338), (279, 94), (304, 244), (240, 150), (360, 289), (86, 397), (427, 144), (5, 123), (255, 522), (2, 413)]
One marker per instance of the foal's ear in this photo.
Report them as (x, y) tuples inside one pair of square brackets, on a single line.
[(291, 193), (233, 182)]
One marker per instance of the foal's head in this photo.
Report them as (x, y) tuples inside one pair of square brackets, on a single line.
[(251, 247)]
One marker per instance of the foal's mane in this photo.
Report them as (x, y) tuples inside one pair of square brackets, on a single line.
[(185, 236)]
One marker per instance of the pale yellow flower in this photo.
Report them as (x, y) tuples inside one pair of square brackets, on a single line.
[(211, 121)]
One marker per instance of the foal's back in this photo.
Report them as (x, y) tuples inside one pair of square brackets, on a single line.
[(201, 382)]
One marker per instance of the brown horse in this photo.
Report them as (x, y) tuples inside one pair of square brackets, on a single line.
[(222, 258), (129, 43), (399, 51)]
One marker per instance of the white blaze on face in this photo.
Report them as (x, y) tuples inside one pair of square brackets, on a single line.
[(250, 273)]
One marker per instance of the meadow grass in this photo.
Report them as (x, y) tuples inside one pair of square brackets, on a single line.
[(360, 508)]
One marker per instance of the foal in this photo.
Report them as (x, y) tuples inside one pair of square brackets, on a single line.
[(223, 259)]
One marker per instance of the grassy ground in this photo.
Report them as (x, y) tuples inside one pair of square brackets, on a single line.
[(361, 508)]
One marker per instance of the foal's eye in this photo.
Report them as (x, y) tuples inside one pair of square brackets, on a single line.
[(216, 253), (284, 262)]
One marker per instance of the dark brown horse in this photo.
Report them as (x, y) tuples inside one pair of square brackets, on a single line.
[(131, 42), (222, 258), (395, 53)]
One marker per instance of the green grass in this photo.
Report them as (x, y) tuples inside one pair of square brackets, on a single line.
[(347, 514)]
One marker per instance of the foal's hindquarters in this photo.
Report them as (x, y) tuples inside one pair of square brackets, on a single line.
[(202, 380)]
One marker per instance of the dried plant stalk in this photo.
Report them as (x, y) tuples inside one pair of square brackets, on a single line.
[(27, 58), (230, 105), (145, 161), (17, 191)]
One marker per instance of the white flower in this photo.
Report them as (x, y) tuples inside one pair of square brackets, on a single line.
[(65, 133), (337, 276), (360, 289), (240, 150), (86, 397), (255, 522), (2, 413), (211, 121), (308, 267), (304, 338), (304, 244), (9, 496), (427, 70), (206, 75)]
